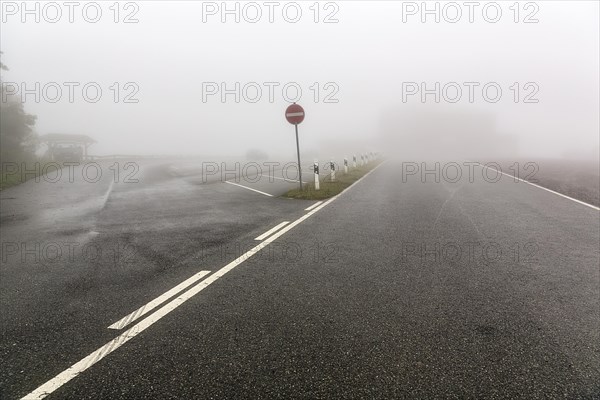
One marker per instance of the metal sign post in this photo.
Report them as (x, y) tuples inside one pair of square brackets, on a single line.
[(298, 151)]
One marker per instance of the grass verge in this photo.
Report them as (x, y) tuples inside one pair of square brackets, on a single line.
[(15, 173), (328, 188)]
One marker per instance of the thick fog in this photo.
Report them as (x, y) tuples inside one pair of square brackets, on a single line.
[(362, 75)]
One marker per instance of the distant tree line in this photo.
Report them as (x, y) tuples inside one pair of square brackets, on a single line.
[(18, 141)]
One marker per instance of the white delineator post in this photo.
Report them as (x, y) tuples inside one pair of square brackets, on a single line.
[(316, 169), (354, 161), (332, 166), (345, 165)]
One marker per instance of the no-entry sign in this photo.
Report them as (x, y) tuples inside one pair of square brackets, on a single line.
[(294, 114)]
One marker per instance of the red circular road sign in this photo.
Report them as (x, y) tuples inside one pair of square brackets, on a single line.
[(294, 114)]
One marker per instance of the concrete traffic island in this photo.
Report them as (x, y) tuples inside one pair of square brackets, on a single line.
[(328, 187)]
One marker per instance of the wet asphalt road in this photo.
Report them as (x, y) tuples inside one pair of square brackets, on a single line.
[(393, 290)]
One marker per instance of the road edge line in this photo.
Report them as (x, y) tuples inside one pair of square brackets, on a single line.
[(544, 188)]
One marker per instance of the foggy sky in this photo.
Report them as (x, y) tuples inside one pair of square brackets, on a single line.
[(367, 54)]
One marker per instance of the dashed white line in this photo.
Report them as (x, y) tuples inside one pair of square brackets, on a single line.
[(274, 229), (145, 309), (313, 206), (249, 188), (77, 368), (541, 187), (82, 365)]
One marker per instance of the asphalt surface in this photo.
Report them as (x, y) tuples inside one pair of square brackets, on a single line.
[(399, 288)]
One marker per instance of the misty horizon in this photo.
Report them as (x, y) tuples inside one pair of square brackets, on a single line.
[(369, 59)]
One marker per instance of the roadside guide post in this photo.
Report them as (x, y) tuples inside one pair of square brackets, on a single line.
[(316, 169), (345, 165), (295, 115), (354, 161), (332, 166)]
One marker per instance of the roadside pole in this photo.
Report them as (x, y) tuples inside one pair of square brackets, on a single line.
[(332, 166), (316, 169), (298, 151), (345, 165)]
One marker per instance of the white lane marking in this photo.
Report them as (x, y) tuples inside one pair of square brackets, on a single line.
[(107, 194), (296, 114), (274, 229), (145, 309), (77, 368), (246, 187), (120, 340), (299, 220), (313, 206), (541, 187), (283, 179)]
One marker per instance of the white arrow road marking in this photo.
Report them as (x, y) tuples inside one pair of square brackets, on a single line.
[(274, 229), (145, 309), (246, 187), (80, 366)]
